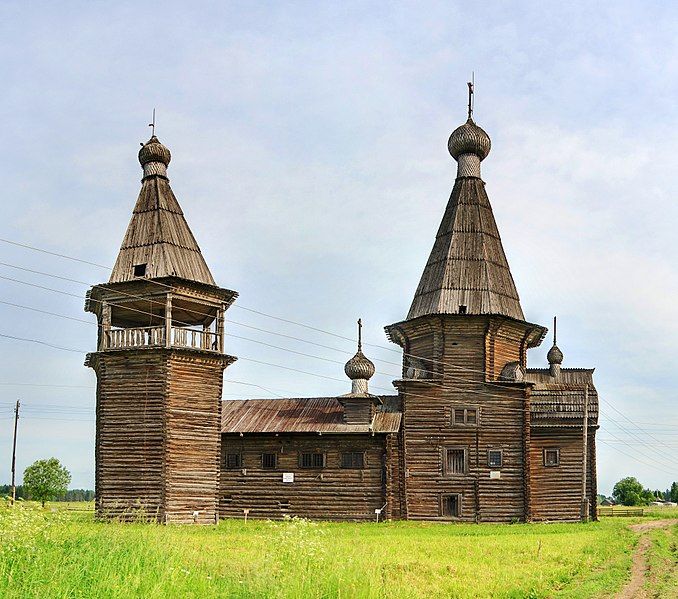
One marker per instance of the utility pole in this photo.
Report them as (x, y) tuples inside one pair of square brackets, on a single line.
[(16, 422), (585, 436)]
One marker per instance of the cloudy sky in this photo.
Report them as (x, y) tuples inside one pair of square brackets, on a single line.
[(309, 156)]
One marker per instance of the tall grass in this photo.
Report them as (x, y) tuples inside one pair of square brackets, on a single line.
[(67, 554)]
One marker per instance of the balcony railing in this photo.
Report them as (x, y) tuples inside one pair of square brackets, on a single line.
[(140, 337)]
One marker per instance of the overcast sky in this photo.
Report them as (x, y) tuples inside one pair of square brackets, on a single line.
[(309, 156)]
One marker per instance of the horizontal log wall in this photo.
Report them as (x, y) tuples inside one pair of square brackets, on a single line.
[(329, 493), (556, 492)]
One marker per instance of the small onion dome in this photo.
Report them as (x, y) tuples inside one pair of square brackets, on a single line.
[(555, 356), (359, 367), (469, 139), (154, 151)]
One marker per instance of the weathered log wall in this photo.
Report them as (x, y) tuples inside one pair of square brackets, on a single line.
[(328, 493)]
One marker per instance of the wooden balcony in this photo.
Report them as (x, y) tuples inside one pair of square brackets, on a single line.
[(148, 337)]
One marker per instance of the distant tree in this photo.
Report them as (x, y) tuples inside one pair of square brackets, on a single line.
[(46, 479), (673, 493), (628, 491)]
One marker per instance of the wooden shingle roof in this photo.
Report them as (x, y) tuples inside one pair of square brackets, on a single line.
[(299, 415), (467, 266), (158, 234)]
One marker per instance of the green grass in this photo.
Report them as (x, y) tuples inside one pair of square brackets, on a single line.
[(662, 561), (63, 553)]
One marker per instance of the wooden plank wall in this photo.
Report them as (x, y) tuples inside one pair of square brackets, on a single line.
[(330, 493), (193, 438)]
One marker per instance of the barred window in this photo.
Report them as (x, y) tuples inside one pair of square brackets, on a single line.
[(455, 461), (269, 460), (353, 459), (233, 461), (312, 460), (552, 457), (451, 505), (495, 458), (465, 416)]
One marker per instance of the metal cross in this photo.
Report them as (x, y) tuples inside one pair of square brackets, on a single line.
[(360, 334), (152, 125), (470, 95)]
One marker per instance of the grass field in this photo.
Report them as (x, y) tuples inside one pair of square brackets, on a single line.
[(63, 553)]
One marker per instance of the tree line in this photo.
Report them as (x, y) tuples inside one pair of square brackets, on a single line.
[(629, 491), (69, 495)]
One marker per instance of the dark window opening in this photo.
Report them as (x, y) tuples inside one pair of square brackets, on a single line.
[(312, 460), (462, 309), (467, 416), (551, 457), (139, 270), (451, 505), (354, 460), (494, 458), (284, 504), (455, 461), (269, 460), (233, 461)]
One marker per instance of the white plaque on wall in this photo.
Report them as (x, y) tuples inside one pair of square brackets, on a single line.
[(495, 474), (288, 477)]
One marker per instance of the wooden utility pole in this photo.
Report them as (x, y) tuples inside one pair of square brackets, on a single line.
[(16, 422), (585, 439)]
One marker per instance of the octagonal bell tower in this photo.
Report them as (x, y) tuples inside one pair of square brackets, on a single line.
[(159, 364)]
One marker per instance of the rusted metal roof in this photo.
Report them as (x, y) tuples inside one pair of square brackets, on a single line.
[(299, 415)]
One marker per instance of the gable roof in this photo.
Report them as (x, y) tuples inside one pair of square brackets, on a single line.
[(298, 415), (467, 266)]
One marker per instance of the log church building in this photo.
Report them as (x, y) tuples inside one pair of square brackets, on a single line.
[(470, 433)]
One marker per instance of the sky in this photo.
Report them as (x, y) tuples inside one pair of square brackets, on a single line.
[(309, 156)]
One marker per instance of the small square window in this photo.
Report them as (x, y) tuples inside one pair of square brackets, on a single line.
[(312, 460), (269, 460), (552, 457), (451, 505), (495, 458), (139, 270), (233, 461), (353, 460), (465, 416), (455, 461)]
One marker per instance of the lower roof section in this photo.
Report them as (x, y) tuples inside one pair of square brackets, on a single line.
[(304, 415)]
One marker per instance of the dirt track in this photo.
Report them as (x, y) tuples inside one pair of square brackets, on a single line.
[(634, 588)]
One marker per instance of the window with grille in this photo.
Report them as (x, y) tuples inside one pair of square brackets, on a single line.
[(269, 460), (451, 505), (455, 461), (233, 461), (465, 416), (552, 457), (353, 459), (495, 458), (312, 460)]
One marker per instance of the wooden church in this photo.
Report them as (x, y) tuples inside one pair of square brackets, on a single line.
[(469, 434)]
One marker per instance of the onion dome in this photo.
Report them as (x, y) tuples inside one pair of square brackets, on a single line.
[(359, 367), (469, 139), (555, 356), (154, 151)]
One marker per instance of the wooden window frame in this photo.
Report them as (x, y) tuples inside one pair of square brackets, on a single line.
[(501, 459), (230, 454), (362, 461), (446, 471), (465, 410), (313, 465), (263, 460), (444, 497), (557, 452)]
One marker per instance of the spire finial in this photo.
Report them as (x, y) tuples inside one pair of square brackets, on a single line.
[(360, 334), (152, 125), (470, 95), (555, 329)]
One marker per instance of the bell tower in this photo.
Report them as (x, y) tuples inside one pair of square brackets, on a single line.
[(159, 364)]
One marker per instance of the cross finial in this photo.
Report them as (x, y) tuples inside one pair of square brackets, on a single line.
[(360, 334), (555, 324), (470, 95), (152, 125)]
